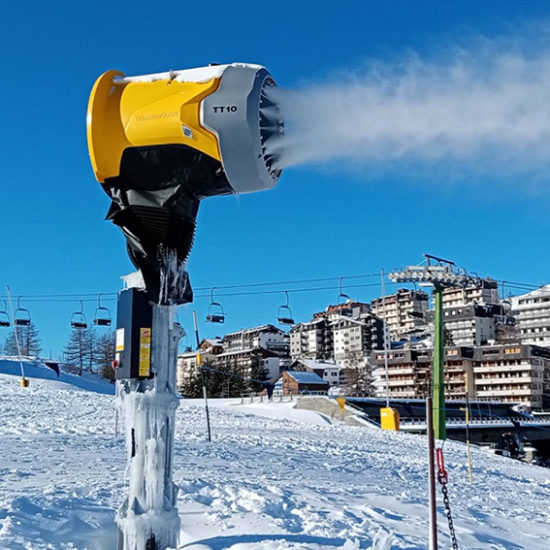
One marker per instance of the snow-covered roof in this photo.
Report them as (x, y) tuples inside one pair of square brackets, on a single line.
[(248, 351), (213, 341), (543, 291), (316, 321), (259, 329), (315, 364), (306, 377)]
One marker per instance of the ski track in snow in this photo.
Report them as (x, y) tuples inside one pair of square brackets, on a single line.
[(264, 483)]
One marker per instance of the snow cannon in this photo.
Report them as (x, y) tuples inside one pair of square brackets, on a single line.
[(160, 143)]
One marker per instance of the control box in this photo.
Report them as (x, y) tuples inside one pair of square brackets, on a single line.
[(133, 335)]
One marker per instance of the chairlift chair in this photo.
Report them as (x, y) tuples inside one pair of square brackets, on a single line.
[(78, 319), (215, 310), (22, 317), (102, 317), (4, 317), (284, 315)]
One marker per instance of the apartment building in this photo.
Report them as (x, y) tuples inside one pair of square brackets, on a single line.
[(477, 325), (349, 308), (410, 372), (266, 337), (354, 339), (403, 311), (243, 360), (532, 312), (187, 361), (240, 351), (513, 373), (346, 333), (312, 340), (483, 293)]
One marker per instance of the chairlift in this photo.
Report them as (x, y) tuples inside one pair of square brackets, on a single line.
[(102, 317), (341, 296), (22, 317), (284, 315), (215, 310), (78, 319), (4, 317)]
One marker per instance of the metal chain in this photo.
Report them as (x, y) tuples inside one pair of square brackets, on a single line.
[(449, 516)]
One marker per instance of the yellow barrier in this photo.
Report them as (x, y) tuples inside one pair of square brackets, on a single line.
[(389, 419)]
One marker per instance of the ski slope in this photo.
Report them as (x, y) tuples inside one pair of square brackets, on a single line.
[(38, 369), (273, 478)]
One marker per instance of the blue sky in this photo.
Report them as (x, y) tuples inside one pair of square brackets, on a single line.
[(319, 221)]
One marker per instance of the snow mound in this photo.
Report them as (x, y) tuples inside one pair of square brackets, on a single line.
[(39, 369)]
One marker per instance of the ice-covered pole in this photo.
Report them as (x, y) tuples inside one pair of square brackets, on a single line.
[(148, 519)]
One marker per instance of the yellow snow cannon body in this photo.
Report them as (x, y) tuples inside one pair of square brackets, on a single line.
[(160, 143)]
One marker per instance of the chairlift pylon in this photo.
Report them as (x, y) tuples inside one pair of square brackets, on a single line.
[(78, 319), (102, 317), (4, 317), (22, 317), (284, 315), (215, 310)]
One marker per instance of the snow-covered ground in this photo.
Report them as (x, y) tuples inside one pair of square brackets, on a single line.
[(273, 478)]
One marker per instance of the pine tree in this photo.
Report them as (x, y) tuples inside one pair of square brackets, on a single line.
[(192, 388), (238, 384), (215, 380), (29, 341), (79, 352), (258, 372)]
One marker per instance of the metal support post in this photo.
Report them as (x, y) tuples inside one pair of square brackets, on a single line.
[(431, 477), (438, 367), (467, 419), (24, 381), (148, 519), (203, 377)]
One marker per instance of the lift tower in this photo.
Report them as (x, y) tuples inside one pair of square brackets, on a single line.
[(439, 274), (158, 145)]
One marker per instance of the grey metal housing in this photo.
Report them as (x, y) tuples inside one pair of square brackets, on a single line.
[(233, 113)]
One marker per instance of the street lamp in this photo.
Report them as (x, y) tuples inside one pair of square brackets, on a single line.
[(439, 274)]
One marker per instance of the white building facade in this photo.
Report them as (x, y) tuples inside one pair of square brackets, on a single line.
[(532, 313)]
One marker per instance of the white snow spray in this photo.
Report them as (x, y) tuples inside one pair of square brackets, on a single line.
[(481, 109)]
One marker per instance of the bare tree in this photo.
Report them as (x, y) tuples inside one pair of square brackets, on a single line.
[(29, 341)]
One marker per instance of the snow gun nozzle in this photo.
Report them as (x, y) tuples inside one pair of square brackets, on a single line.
[(161, 143)]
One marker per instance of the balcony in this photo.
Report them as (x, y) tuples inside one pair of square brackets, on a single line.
[(504, 381), (505, 368), (531, 394)]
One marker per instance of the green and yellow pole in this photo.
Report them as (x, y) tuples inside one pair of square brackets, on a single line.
[(438, 392)]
